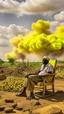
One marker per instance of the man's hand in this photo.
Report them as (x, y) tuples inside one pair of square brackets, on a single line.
[(27, 75), (50, 72), (36, 73)]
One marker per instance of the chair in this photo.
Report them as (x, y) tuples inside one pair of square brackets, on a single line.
[(50, 78)]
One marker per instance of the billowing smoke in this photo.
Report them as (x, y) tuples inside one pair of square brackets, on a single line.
[(40, 40), (16, 53)]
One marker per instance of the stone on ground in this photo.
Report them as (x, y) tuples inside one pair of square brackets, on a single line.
[(14, 105), (55, 110), (9, 100), (8, 110), (2, 108)]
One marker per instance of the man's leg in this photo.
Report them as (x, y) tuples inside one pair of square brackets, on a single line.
[(29, 84), (32, 79)]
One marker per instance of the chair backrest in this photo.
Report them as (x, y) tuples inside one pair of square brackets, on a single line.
[(53, 63)]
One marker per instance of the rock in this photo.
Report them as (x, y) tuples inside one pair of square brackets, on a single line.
[(37, 103), (19, 108), (55, 110), (2, 108), (24, 110), (14, 105), (33, 102), (27, 112), (30, 112), (26, 106), (9, 100), (36, 113), (8, 110)]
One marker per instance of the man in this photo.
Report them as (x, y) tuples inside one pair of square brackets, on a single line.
[(33, 78)]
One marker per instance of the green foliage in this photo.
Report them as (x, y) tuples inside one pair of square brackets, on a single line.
[(60, 61), (6, 64), (11, 60), (1, 61), (19, 63)]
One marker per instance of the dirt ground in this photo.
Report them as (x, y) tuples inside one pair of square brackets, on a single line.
[(30, 105)]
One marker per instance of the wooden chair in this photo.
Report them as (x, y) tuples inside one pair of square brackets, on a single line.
[(49, 77)]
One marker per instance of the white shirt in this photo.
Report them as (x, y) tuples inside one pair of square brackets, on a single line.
[(46, 69)]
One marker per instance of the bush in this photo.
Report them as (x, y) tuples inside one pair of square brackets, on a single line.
[(12, 84)]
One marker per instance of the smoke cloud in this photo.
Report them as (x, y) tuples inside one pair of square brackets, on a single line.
[(40, 40)]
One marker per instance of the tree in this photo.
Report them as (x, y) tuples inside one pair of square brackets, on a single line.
[(11, 60), (1, 61)]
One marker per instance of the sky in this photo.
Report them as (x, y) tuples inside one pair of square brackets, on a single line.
[(16, 17)]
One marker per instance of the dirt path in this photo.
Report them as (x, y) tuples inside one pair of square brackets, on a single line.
[(33, 104)]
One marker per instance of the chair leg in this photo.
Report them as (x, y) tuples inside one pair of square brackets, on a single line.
[(53, 88), (44, 88)]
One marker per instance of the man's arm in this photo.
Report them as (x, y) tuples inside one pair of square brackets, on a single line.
[(35, 73), (38, 71)]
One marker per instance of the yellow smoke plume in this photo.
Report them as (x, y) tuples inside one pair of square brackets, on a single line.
[(15, 54), (15, 40), (60, 29), (39, 40), (11, 55), (41, 26)]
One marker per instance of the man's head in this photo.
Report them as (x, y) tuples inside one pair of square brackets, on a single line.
[(45, 60)]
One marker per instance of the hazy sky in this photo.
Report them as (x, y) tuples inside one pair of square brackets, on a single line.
[(16, 17)]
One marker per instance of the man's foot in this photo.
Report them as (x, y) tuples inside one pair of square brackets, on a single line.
[(30, 97), (22, 94)]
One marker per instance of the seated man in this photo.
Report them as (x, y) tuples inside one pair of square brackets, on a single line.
[(36, 77)]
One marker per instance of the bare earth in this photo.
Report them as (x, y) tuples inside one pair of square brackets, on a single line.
[(27, 106)]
